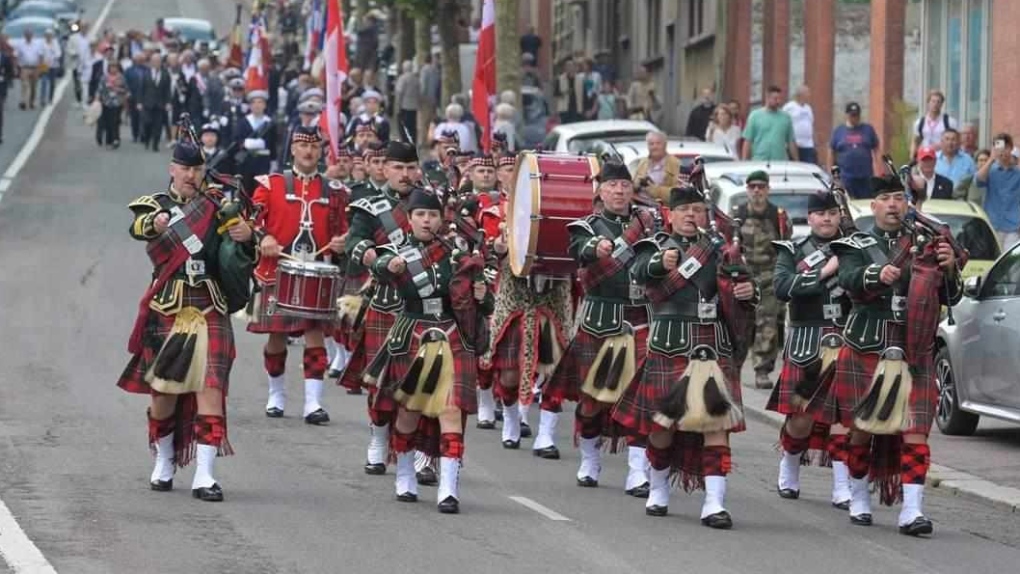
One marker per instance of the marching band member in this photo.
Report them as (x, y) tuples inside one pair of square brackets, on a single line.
[(427, 366), (885, 387), (688, 398), (301, 217), (183, 343), (610, 345), (374, 156), (376, 221), (805, 278), (255, 136)]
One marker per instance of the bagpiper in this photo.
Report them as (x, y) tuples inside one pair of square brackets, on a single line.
[(688, 398), (610, 345), (182, 343), (885, 387), (301, 217), (806, 279)]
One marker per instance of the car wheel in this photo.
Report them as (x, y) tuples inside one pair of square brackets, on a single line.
[(949, 417)]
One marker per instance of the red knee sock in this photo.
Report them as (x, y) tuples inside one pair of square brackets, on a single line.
[(588, 426), (401, 442), (715, 461), (451, 445), (914, 462), (315, 361), (210, 430), (858, 459), (659, 458), (379, 418), (160, 428), (276, 363), (837, 447), (791, 444)]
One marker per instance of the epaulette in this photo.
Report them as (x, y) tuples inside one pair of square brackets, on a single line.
[(583, 225), (264, 180), (144, 204), (655, 242), (372, 205), (858, 240), (785, 244)]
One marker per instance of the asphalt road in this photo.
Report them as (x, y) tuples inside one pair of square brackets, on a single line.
[(74, 463)]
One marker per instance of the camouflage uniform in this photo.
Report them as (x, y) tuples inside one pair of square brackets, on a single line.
[(757, 232)]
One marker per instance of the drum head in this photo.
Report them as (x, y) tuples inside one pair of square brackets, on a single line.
[(522, 204), (314, 268)]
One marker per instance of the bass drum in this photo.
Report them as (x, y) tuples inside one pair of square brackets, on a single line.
[(550, 191)]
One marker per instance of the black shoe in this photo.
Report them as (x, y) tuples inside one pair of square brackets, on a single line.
[(525, 427), (426, 477), (317, 417), (162, 485), (209, 494), (376, 469), (844, 505), (861, 519), (512, 444), (921, 526), (587, 482), (719, 521), (274, 413), (656, 510), (789, 493), (548, 453), (354, 391), (407, 497), (116, 144), (449, 506), (640, 491), (333, 373), (499, 414), (486, 425)]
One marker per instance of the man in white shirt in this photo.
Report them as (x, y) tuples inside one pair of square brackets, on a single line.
[(81, 58), (51, 62), (928, 129), (803, 118), (30, 52)]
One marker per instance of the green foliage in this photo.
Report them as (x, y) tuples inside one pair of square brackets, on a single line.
[(903, 115)]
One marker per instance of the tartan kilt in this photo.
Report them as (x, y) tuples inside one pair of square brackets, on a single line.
[(261, 322), (853, 379), (374, 334), (465, 363), (637, 407), (510, 344), (221, 350), (781, 399), (569, 376)]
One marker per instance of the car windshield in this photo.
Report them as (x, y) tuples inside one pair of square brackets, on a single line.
[(794, 203), (190, 31), (16, 28), (972, 233), (586, 143)]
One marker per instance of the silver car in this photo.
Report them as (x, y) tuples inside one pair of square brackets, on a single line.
[(977, 365)]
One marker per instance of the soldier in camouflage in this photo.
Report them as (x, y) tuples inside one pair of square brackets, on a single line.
[(762, 222)]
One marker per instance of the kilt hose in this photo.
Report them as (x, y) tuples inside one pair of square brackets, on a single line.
[(854, 371), (219, 360), (261, 322)]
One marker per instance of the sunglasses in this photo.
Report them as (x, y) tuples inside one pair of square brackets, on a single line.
[(757, 185)]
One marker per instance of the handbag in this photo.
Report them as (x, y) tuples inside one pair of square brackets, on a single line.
[(93, 112)]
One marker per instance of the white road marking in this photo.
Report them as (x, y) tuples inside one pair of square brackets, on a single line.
[(20, 553), (544, 511), (47, 112)]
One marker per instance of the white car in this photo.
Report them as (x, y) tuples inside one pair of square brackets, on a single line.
[(581, 137), (790, 185)]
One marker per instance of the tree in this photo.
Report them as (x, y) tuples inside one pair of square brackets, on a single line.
[(405, 41), (508, 49), (450, 23), (422, 39), (419, 14)]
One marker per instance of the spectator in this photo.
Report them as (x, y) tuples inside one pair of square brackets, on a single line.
[(592, 82), (531, 43), (429, 88), (504, 124), (929, 127), (367, 43), (50, 68), (529, 73), (659, 172), (406, 100), (30, 53), (160, 33), (722, 130), (642, 103), (454, 122), (1000, 178), (958, 167), (113, 93), (738, 114), (701, 116), (854, 147), (134, 77), (926, 183), (81, 59), (570, 94), (606, 104), (803, 118), (6, 76), (976, 193), (769, 132), (969, 139)]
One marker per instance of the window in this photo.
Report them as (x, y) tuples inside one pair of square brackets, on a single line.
[(695, 18), (1004, 277), (934, 43), (955, 24), (654, 22), (976, 34)]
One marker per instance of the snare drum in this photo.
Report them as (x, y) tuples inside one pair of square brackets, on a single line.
[(550, 192), (306, 289)]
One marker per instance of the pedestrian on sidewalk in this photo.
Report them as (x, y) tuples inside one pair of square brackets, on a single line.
[(768, 135), (81, 58), (50, 68), (112, 94), (30, 52), (803, 118)]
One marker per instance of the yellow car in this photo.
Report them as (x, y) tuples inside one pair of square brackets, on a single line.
[(967, 220)]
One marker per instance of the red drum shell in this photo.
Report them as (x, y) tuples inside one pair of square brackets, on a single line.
[(307, 289)]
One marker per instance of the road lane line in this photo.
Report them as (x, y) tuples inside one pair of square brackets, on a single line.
[(47, 112), (544, 511), (18, 551)]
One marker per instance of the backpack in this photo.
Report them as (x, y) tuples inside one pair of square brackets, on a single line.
[(920, 125)]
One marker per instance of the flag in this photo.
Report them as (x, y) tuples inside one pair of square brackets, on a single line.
[(484, 85), (256, 75), (236, 58), (315, 27), (335, 51)]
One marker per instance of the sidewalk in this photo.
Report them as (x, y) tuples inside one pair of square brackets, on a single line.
[(989, 487)]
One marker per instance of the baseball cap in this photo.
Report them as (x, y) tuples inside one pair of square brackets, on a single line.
[(925, 152), (853, 108)]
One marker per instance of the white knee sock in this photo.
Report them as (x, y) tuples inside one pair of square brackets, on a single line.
[(205, 457), (313, 394), (512, 422), (406, 481), (378, 444), (715, 495), (638, 467), (789, 471), (331, 348), (524, 412), (546, 429), (913, 497), (860, 496), (486, 406), (164, 469), (591, 458), (658, 492), (340, 360), (277, 392), (840, 482), (449, 479)]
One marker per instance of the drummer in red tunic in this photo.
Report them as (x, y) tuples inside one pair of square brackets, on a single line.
[(301, 218)]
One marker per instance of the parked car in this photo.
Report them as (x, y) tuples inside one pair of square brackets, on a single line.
[(977, 362), (62, 10), (968, 222), (193, 31), (686, 149), (790, 185), (581, 137), (537, 119), (14, 29)]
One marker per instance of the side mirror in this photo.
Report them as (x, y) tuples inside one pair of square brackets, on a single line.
[(972, 286)]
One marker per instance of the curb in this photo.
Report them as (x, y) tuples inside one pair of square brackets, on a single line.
[(944, 478)]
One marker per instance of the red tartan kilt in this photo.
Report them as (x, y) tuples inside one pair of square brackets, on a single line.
[(637, 407), (781, 399), (262, 322), (509, 347), (221, 351), (566, 382), (465, 365), (854, 371), (376, 330)]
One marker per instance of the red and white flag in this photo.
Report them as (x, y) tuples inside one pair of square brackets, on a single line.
[(484, 85), (256, 75), (335, 50)]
